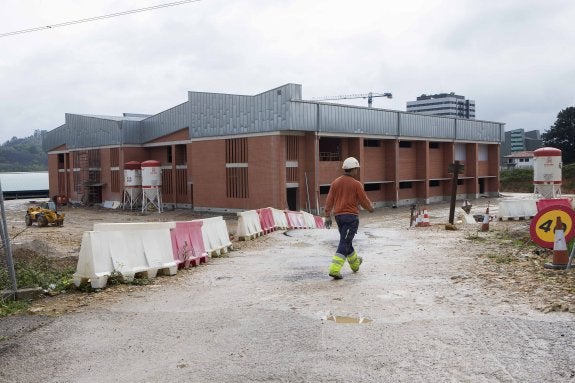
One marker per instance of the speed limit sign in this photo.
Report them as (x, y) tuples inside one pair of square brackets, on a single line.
[(544, 223)]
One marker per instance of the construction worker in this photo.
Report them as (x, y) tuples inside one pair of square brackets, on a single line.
[(345, 194)]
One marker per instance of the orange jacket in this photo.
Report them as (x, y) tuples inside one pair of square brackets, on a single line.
[(345, 194)]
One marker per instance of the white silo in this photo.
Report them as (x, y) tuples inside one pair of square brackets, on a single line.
[(132, 184), (151, 185), (547, 175)]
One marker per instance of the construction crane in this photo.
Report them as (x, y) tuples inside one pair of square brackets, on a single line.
[(369, 97)]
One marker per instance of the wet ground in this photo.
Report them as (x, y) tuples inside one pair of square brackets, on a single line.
[(427, 305)]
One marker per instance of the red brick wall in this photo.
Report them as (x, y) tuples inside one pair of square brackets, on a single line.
[(267, 171), (437, 165), (206, 168), (408, 193), (373, 163), (135, 154), (53, 175), (407, 163), (436, 191), (207, 162)]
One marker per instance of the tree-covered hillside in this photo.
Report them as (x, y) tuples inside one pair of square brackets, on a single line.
[(23, 154)]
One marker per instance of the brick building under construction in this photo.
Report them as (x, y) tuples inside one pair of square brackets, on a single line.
[(226, 152)]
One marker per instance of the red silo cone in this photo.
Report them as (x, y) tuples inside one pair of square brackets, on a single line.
[(560, 256)]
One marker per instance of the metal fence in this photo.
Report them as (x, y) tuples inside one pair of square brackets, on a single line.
[(7, 273)]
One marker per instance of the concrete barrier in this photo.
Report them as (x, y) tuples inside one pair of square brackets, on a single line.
[(249, 226), (94, 261), (188, 244), (280, 219), (127, 252), (134, 226), (308, 219), (517, 209), (215, 236), (266, 220), (295, 220)]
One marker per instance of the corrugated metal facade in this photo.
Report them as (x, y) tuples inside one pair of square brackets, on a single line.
[(166, 122), (213, 114), (279, 109)]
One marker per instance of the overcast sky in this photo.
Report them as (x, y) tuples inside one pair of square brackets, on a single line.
[(515, 58)]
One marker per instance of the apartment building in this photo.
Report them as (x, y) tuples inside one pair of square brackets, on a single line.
[(443, 104)]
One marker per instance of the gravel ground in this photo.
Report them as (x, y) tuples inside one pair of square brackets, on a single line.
[(428, 305)]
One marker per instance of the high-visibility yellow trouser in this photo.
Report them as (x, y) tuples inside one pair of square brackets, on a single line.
[(354, 261), (337, 263)]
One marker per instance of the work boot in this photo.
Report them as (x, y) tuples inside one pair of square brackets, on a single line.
[(337, 263), (354, 261)]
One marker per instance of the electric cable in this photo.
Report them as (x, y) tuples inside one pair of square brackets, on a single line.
[(96, 18)]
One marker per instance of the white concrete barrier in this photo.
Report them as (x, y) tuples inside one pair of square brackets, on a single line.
[(215, 236), (280, 219), (517, 209), (94, 261), (309, 220), (134, 226), (249, 225), (127, 252)]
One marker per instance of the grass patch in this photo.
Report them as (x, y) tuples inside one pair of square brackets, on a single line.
[(9, 307), (502, 258), (40, 271), (474, 236)]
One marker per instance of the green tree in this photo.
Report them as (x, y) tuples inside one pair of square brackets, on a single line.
[(562, 134), (23, 154)]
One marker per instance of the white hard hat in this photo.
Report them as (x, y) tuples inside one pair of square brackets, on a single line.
[(350, 163)]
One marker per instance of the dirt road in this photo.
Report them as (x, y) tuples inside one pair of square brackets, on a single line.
[(427, 305)]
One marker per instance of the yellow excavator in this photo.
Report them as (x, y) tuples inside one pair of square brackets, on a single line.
[(45, 214)]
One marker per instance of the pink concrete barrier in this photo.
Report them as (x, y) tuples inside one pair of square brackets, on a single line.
[(295, 220), (187, 244), (266, 220)]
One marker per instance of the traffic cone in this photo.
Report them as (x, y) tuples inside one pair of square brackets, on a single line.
[(485, 224), (418, 220), (425, 221), (560, 256)]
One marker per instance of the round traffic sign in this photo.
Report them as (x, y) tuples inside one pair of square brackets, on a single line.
[(543, 225)]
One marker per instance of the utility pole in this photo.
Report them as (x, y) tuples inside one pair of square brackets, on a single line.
[(455, 168)]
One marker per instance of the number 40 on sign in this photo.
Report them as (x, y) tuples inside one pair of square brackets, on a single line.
[(543, 225)]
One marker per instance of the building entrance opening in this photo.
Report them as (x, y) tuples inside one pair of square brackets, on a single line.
[(291, 196), (481, 185), (94, 195)]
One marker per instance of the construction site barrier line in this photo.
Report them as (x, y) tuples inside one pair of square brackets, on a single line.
[(147, 247)]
